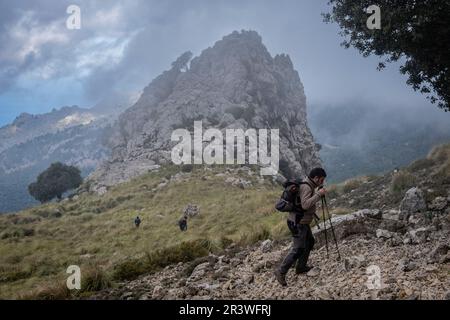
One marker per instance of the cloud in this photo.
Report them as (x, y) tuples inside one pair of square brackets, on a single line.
[(122, 45), (39, 46)]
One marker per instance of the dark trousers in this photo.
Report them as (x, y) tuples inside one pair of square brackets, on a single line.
[(302, 244)]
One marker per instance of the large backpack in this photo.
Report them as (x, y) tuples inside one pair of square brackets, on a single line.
[(290, 200)]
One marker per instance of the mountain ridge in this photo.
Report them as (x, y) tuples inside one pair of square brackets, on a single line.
[(233, 84)]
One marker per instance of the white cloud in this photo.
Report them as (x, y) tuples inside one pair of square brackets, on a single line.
[(98, 51), (30, 36)]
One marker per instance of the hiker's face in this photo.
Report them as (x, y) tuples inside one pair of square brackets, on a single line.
[(319, 181)]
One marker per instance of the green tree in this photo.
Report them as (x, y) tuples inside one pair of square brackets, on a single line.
[(54, 181), (414, 32)]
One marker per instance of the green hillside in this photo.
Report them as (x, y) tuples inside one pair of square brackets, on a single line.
[(37, 245)]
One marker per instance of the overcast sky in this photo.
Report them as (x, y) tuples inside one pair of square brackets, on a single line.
[(122, 45)]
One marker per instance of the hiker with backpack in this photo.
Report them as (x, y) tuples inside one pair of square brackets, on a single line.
[(182, 223), (137, 222), (299, 199)]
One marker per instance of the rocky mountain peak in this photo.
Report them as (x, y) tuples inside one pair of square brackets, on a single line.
[(234, 84)]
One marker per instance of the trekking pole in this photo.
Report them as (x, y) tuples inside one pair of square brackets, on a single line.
[(317, 219), (332, 228), (325, 226)]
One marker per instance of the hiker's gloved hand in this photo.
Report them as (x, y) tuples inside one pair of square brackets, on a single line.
[(322, 192)]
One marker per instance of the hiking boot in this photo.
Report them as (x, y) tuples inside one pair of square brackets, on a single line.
[(303, 270), (281, 278)]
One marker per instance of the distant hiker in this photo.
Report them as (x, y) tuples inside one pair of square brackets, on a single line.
[(310, 192), (182, 223), (137, 222)]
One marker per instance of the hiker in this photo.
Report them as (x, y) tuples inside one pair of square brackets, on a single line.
[(182, 223), (137, 222), (309, 194)]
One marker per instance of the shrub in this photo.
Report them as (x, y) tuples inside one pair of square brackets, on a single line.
[(441, 180), (440, 154), (257, 234), (420, 165), (17, 233), (401, 182), (225, 242), (14, 275), (187, 168), (94, 279), (333, 191), (351, 184), (130, 269), (186, 251), (57, 291), (280, 231), (154, 261)]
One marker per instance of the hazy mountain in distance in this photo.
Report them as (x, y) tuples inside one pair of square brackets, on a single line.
[(71, 135), (362, 139)]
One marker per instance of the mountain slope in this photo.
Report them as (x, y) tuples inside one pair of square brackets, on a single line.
[(236, 210), (406, 246), (98, 230)]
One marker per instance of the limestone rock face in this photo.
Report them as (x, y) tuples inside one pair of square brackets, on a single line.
[(235, 84), (413, 202)]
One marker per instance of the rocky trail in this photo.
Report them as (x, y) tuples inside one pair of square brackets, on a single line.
[(408, 247)]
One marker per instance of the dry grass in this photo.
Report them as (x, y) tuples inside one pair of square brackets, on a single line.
[(401, 182), (336, 190), (95, 230)]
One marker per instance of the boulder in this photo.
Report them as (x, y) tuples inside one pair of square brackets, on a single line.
[(406, 265), (413, 202), (438, 252), (266, 246), (191, 211), (158, 293), (438, 204), (199, 272), (380, 233), (419, 235), (238, 182), (360, 222), (395, 241), (355, 262)]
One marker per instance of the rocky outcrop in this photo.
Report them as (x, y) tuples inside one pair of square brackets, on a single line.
[(235, 84), (412, 203)]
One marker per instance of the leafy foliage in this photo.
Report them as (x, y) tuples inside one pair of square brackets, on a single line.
[(416, 32), (54, 181)]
